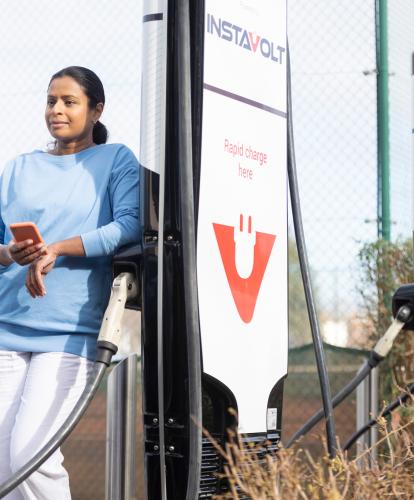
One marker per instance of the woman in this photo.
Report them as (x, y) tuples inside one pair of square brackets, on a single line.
[(83, 196)]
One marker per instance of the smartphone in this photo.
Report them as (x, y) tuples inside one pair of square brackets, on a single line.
[(26, 231)]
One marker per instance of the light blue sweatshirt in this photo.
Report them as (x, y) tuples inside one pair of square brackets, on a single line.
[(92, 194)]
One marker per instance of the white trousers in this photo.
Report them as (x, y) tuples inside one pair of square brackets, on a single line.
[(37, 393)]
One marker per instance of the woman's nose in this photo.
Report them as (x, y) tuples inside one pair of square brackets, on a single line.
[(57, 108)]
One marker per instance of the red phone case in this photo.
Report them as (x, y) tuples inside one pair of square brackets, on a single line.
[(26, 231)]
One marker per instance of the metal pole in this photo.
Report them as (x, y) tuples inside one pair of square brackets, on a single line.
[(384, 212), (367, 408), (120, 481), (362, 412), (373, 378)]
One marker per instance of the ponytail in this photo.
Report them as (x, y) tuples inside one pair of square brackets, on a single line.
[(100, 133)]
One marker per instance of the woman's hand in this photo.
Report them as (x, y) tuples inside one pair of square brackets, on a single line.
[(37, 270), (44, 264), (24, 252)]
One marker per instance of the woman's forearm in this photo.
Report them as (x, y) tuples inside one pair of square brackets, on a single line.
[(72, 247), (5, 259)]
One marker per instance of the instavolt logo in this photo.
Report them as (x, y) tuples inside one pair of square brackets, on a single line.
[(245, 39)]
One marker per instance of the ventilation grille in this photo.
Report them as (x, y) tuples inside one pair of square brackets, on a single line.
[(211, 464), (212, 461)]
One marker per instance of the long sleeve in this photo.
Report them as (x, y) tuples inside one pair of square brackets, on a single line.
[(124, 200), (92, 194), (2, 231), (2, 225)]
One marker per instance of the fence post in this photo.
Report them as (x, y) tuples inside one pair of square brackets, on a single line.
[(384, 216), (362, 411), (366, 408), (373, 378)]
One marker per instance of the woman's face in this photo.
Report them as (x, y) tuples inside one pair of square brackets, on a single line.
[(68, 116)]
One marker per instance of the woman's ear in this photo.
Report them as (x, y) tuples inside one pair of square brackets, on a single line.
[(98, 111)]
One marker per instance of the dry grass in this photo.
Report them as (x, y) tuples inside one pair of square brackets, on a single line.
[(292, 474)]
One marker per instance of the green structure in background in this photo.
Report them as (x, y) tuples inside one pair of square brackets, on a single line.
[(384, 215), (302, 397)]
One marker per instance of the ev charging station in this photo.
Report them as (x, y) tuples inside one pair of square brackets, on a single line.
[(210, 274), (214, 203), (242, 222)]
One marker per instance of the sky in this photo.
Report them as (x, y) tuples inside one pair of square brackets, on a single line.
[(334, 102), (38, 38), (401, 48), (334, 113)]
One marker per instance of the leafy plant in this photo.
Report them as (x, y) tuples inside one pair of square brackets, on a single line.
[(384, 267)]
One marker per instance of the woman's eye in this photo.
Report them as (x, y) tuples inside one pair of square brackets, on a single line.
[(70, 102)]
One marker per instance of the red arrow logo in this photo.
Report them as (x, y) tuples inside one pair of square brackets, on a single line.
[(256, 43), (245, 290)]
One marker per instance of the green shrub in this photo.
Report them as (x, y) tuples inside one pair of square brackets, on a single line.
[(384, 267)]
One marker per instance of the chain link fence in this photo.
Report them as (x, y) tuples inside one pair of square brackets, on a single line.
[(302, 397), (334, 95), (333, 58), (401, 49), (333, 61), (37, 39)]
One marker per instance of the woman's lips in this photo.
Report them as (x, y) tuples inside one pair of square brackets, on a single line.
[(58, 124)]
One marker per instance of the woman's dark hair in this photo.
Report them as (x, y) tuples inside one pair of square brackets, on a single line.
[(94, 90)]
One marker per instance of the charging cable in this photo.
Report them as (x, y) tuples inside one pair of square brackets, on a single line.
[(402, 398), (378, 353)]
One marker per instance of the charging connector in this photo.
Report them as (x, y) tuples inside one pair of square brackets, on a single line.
[(385, 343), (124, 287)]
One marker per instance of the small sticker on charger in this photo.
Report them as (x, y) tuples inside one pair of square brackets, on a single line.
[(271, 419)]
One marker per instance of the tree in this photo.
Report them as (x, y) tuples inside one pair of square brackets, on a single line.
[(384, 267)]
